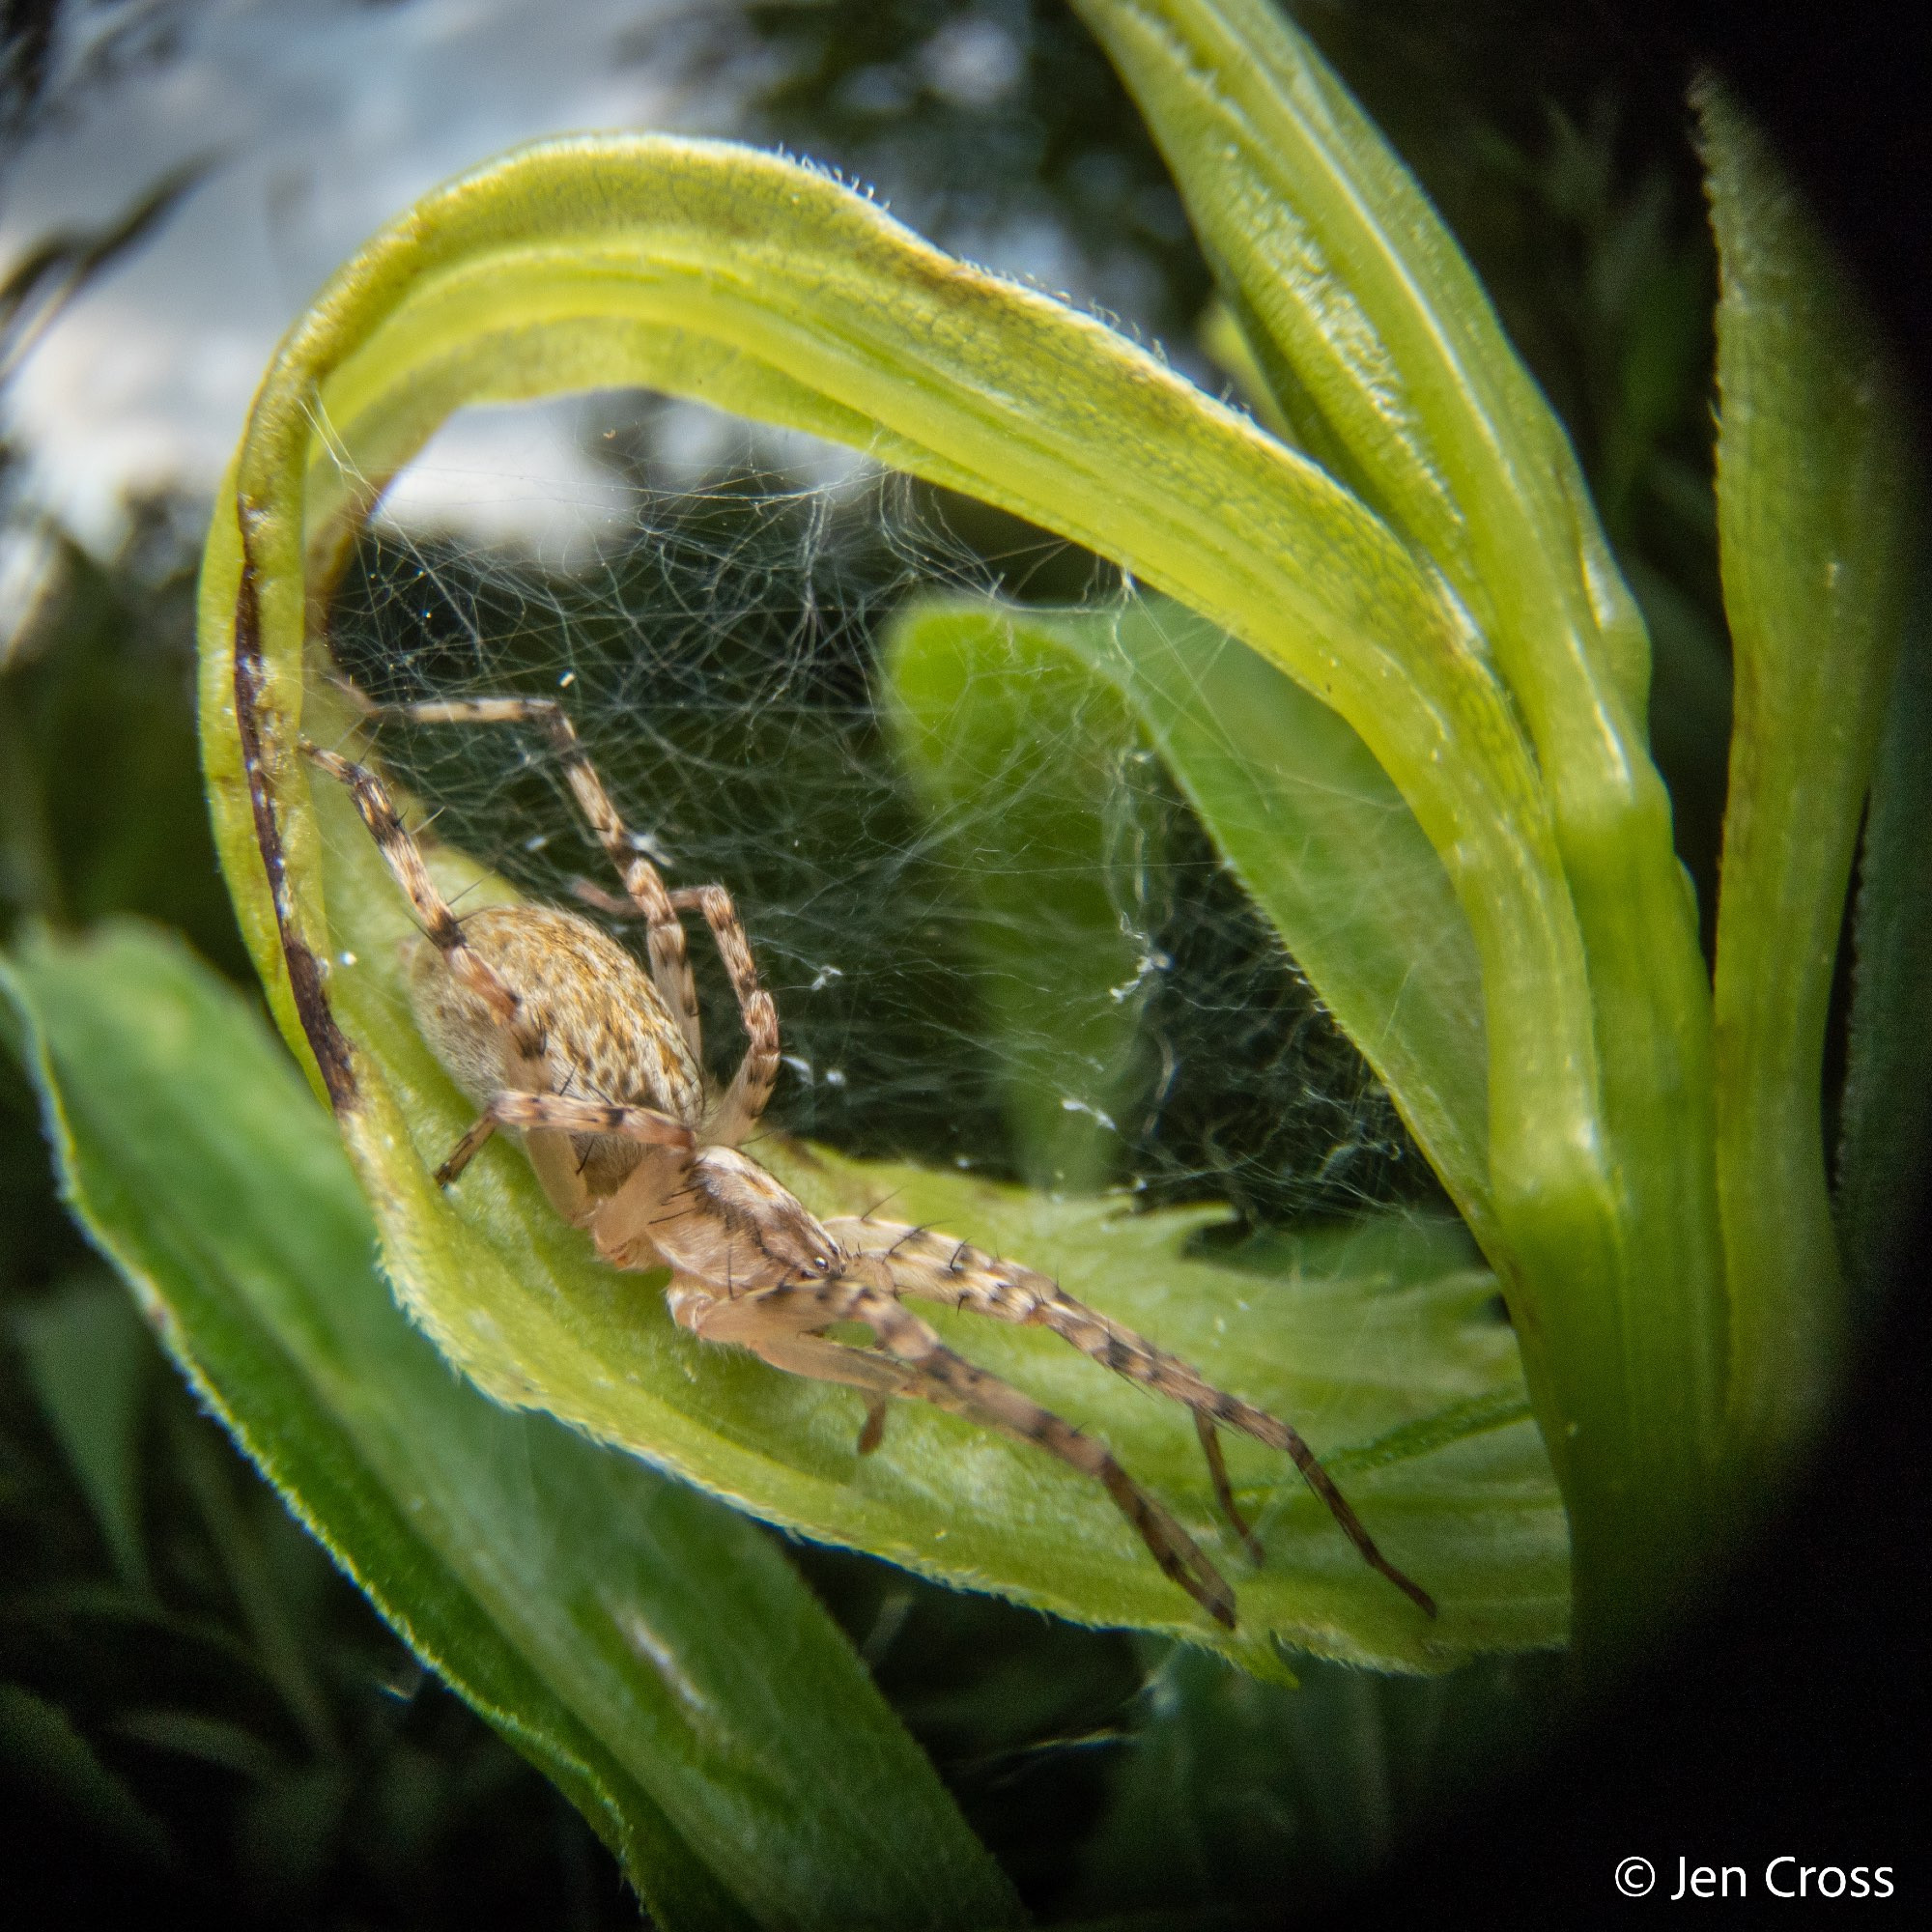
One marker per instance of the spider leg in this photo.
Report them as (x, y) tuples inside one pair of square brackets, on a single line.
[(738, 1112), (1224, 1495), (557, 1113), (936, 1267), (935, 1373), (768, 1334), (405, 861), (554, 1117), (873, 1430), (670, 963), (466, 1148), (565, 1112), (598, 899)]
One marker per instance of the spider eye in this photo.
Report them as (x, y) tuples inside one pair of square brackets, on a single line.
[(821, 1264)]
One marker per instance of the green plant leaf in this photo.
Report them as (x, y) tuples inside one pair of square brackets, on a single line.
[(1026, 764), (1818, 509), (87, 1359), (1887, 1116), (1390, 362), (1316, 834), (653, 1654)]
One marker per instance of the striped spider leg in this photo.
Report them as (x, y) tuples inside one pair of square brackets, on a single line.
[(561, 1035), (936, 1267)]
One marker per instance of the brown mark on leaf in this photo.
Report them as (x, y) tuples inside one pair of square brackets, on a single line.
[(326, 1039)]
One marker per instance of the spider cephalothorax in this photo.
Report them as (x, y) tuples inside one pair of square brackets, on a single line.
[(555, 1030)]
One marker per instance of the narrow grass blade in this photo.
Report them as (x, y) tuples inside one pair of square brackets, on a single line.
[(1390, 362), (1381, 347), (1887, 1111), (86, 1359), (1818, 507)]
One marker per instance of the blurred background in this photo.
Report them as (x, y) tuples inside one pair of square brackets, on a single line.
[(192, 1701)]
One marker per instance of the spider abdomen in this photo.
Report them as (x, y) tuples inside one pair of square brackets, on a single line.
[(598, 1027)]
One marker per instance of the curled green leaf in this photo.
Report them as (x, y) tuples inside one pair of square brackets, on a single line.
[(751, 281)]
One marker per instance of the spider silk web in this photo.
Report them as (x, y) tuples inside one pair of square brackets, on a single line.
[(715, 637)]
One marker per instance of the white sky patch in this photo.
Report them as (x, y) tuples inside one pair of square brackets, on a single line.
[(691, 443), (974, 62), (518, 476), (326, 119)]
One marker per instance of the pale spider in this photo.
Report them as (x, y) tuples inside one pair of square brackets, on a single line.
[(554, 1029)]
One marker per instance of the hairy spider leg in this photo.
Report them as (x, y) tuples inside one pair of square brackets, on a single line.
[(1224, 1491), (936, 1267), (567, 1114), (405, 861), (466, 1148), (744, 1101), (739, 1110), (751, 1087), (663, 931), (535, 1112), (445, 931), (772, 1322)]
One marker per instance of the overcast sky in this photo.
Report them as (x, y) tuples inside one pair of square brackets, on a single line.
[(326, 117)]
